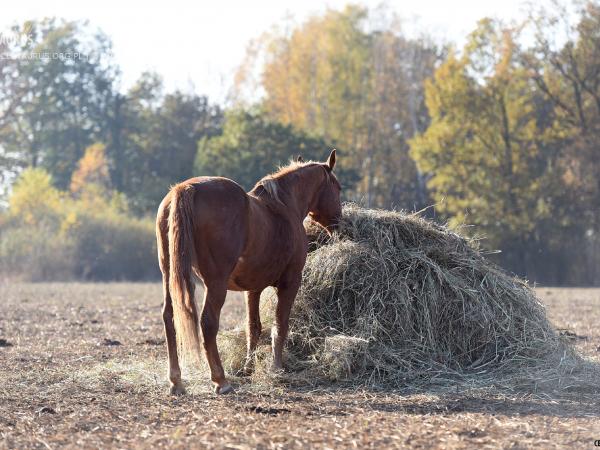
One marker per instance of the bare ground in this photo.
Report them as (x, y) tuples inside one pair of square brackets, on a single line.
[(84, 365)]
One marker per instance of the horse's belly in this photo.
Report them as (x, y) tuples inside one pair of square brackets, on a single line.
[(251, 275)]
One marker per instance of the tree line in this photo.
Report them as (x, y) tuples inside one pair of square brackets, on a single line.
[(502, 134)]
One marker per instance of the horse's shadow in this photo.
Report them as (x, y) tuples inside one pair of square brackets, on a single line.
[(343, 401), (457, 404)]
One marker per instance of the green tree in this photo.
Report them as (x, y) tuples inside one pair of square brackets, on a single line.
[(159, 137), (52, 106), (251, 146)]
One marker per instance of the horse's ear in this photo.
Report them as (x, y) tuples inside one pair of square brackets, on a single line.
[(300, 159), (331, 160)]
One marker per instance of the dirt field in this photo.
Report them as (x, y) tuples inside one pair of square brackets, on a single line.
[(83, 365)]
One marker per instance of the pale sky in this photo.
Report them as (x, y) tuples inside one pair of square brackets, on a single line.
[(199, 44)]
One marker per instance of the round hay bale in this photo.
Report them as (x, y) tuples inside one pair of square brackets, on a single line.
[(392, 298)]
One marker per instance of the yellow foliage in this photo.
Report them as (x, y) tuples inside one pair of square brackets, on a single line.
[(49, 234), (34, 198), (92, 169), (318, 78), (483, 145)]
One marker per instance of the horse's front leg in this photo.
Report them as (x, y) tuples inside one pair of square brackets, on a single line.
[(253, 329), (286, 293)]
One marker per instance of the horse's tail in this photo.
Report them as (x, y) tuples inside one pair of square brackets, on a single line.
[(181, 284)]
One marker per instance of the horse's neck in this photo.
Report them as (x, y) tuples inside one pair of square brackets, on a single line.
[(293, 192), (302, 189)]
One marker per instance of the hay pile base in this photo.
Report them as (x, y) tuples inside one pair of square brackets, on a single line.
[(395, 299)]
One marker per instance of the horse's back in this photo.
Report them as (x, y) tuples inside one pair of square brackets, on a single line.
[(219, 209), (220, 196)]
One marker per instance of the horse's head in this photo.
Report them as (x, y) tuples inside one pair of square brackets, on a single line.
[(326, 208)]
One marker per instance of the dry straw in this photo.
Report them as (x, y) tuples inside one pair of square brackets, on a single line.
[(394, 299)]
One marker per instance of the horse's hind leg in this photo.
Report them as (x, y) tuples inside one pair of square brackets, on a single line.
[(167, 313), (214, 297), (174, 370)]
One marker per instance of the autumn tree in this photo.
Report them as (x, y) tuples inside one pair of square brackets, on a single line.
[(485, 150), (568, 76), (564, 64), (34, 199), (92, 169), (344, 77)]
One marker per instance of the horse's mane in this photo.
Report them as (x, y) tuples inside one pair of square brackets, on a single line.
[(274, 186)]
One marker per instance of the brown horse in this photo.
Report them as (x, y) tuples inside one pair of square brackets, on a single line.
[(210, 227)]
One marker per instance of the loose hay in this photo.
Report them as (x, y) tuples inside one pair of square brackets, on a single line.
[(395, 299)]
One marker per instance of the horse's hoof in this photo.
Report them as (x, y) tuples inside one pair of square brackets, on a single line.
[(177, 389), (277, 370), (225, 389)]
